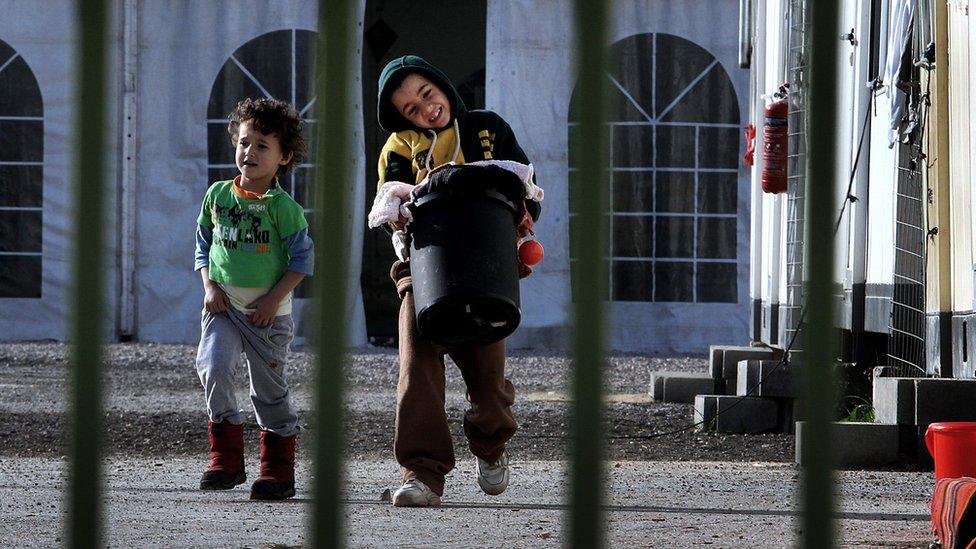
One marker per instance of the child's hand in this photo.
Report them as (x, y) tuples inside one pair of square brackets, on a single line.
[(215, 300), (265, 308), (389, 205)]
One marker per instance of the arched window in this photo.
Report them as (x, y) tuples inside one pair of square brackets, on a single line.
[(276, 65), (21, 177), (674, 140)]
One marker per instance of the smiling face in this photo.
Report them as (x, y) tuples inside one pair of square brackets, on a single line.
[(422, 103), (258, 157)]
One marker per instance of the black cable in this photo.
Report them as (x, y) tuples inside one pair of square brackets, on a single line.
[(850, 184)]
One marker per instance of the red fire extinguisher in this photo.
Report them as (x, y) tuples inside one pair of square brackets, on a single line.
[(775, 142)]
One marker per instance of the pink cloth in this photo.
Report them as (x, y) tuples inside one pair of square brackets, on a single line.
[(389, 204)]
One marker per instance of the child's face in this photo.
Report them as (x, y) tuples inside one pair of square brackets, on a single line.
[(422, 103), (258, 154)]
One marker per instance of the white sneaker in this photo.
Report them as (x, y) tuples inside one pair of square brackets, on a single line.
[(493, 477), (414, 493)]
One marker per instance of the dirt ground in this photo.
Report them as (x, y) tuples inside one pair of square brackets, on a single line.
[(154, 406), (682, 490)]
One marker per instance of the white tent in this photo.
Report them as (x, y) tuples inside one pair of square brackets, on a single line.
[(680, 212)]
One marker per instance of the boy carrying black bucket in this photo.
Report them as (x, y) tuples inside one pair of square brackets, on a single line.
[(430, 126)]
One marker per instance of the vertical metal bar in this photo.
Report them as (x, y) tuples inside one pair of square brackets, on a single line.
[(585, 522), (333, 170), (84, 483), (820, 326)]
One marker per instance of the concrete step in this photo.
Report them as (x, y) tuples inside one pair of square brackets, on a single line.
[(768, 378), (921, 401), (680, 387), (893, 399), (733, 414), (724, 359), (856, 445)]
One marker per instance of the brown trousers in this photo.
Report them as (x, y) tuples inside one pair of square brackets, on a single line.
[(422, 443)]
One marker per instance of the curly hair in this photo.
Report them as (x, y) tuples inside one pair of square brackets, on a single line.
[(272, 117)]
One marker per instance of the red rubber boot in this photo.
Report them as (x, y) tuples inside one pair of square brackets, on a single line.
[(277, 479), (226, 457)]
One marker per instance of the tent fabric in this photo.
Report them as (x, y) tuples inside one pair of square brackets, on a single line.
[(179, 73), (191, 66), (665, 58)]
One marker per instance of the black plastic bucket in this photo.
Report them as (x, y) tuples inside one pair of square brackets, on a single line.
[(463, 255)]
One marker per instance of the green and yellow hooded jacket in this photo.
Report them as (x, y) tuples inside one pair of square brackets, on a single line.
[(483, 134)]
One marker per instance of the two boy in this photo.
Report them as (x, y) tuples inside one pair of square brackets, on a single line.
[(253, 248)]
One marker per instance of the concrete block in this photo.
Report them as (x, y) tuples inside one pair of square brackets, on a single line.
[(893, 399), (767, 378), (725, 386), (725, 358), (732, 414), (856, 445), (789, 411), (680, 386), (944, 400), (913, 446), (715, 360), (795, 356)]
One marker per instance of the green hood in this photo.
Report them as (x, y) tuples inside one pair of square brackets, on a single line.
[(393, 74)]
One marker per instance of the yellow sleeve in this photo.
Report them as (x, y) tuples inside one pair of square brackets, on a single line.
[(395, 162)]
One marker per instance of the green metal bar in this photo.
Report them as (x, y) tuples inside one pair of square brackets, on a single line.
[(820, 331), (332, 174), (585, 524), (84, 482)]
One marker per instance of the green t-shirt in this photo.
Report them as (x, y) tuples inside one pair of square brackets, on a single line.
[(248, 247)]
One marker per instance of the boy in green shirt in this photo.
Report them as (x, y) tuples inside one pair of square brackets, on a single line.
[(253, 249)]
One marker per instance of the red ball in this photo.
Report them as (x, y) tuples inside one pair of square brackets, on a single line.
[(530, 252)]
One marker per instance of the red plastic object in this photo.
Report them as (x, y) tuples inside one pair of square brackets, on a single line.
[(775, 146), (953, 447), (749, 157), (530, 252)]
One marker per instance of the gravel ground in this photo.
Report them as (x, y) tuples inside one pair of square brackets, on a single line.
[(681, 490), (154, 405), (153, 503)]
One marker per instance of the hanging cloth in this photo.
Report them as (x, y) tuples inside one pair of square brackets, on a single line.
[(900, 16)]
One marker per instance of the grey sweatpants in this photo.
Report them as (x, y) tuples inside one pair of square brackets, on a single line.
[(223, 337)]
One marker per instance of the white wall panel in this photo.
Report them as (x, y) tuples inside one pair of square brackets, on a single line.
[(960, 161)]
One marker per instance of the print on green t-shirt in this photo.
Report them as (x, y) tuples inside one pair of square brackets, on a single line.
[(249, 247)]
